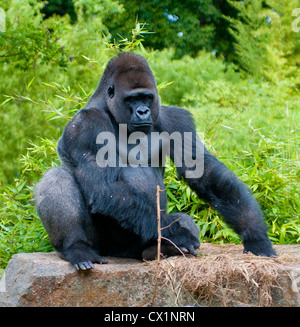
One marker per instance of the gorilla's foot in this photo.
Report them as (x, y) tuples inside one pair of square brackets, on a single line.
[(82, 256), (262, 247)]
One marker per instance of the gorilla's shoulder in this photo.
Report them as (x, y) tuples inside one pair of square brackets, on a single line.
[(87, 114), (87, 118), (174, 111), (86, 124), (174, 118)]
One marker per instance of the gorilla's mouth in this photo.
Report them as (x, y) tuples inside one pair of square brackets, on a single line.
[(142, 127), (141, 124)]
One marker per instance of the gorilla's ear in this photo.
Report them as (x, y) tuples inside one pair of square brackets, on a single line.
[(111, 91)]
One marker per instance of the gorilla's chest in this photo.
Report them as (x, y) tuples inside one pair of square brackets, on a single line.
[(145, 179)]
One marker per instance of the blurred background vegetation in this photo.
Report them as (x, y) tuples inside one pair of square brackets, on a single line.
[(233, 64)]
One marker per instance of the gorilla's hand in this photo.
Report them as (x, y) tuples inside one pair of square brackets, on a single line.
[(183, 232)]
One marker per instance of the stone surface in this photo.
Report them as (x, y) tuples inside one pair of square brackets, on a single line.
[(44, 279)]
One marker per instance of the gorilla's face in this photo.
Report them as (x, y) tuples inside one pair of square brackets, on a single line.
[(132, 96)]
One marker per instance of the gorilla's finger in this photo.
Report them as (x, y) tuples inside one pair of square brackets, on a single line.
[(192, 250), (196, 245), (84, 265), (184, 250), (89, 265)]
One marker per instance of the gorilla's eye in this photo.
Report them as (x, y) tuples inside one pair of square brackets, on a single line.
[(111, 91)]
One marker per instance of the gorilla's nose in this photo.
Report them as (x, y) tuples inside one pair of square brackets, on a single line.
[(143, 113)]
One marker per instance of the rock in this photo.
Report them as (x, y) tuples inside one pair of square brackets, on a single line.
[(44, 279)]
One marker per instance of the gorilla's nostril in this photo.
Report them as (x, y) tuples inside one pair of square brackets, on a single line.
[(143, 112)]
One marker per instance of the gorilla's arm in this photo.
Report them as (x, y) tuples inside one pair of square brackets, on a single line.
[(221, 188)]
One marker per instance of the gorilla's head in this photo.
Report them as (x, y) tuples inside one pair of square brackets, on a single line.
[(128, 91)]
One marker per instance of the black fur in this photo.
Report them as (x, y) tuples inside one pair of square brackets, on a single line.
[(90, 211)]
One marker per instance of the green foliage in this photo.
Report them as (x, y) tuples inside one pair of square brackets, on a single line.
[(59, 7), (206, 82), (90, 9), (20, 227), (271, 170), (28, 41), (265, 44), (250, 120), (135, 43), (188, 26)]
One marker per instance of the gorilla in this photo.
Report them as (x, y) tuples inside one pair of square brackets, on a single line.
[(98, 203)]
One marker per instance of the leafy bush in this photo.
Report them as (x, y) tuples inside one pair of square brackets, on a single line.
[(20, 227), (188, 26), (28, 41), (265, 44), (271, 170)]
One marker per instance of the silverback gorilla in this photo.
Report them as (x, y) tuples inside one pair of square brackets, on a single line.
[(91, 207)]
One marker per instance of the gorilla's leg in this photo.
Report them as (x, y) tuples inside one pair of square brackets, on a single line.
[(65, 217)]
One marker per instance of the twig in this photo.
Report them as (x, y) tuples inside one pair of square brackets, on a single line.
[(159, 238), (171, 223), (158, 242), (164, 238), (158, 223)]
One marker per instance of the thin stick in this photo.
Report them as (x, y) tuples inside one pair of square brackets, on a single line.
[(158, 242), (159, 238), (173, 222), (164, 238), (158, 223)]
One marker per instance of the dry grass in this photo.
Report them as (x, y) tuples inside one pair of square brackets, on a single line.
[(222, 279)]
